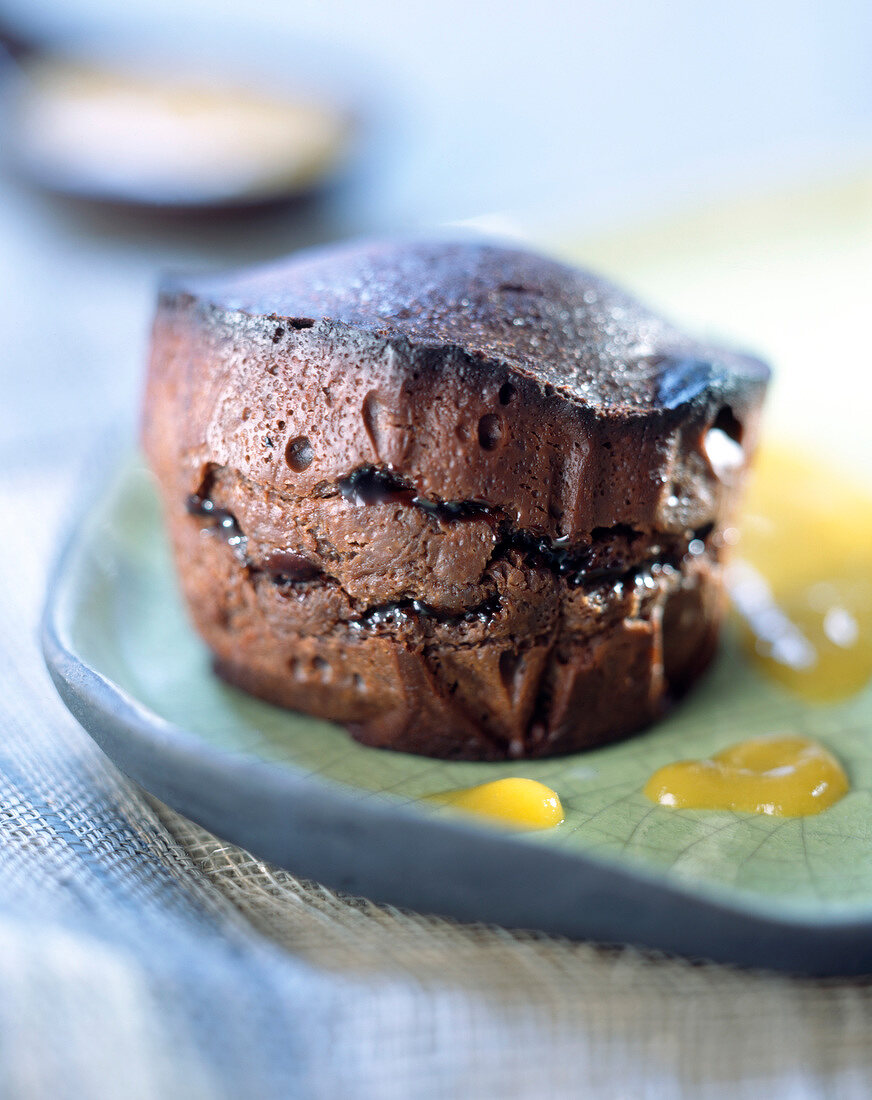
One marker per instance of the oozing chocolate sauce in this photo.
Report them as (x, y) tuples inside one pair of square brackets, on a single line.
[(218, 520), (288, 567), (598, 563), (281, 566), (371, 485), (398, 610)]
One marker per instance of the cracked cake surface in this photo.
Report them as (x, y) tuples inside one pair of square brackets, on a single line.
[(464, 499)]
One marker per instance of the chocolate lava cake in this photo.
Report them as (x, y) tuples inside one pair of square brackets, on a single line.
[(463, 499)]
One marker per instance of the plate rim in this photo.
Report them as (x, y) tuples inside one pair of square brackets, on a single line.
[(445, 867)]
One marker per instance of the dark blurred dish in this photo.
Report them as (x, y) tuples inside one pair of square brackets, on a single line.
[(146, 137)]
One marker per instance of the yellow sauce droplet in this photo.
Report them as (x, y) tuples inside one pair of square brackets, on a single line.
[(803, 581), (519, 803), (785, 776)]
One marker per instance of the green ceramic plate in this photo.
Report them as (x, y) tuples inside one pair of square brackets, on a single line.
[(788, 893), (795, 893)]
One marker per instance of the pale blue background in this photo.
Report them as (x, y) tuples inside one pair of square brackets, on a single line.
[(605, 107)]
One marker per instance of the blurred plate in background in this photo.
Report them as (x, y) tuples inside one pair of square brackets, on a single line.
[(147, 134)]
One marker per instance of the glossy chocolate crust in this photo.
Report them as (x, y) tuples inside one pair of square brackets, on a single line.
[(463, 499)]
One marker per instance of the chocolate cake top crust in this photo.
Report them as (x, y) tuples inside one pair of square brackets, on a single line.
[(563, 328), (476, 374)]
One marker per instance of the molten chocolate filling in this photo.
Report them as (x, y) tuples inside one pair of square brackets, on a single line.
[(600, 562)]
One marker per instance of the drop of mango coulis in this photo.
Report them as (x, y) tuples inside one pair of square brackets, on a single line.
[(783, 776), (802, 579), (515, 802)]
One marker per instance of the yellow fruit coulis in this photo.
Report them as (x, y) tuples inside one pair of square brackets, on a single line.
[(801, 582), (802, 578), (785, 776), (516, 803)]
